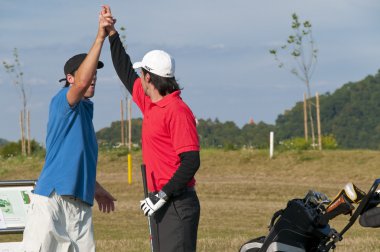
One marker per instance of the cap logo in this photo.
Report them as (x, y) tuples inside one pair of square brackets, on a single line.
[(148, 68)]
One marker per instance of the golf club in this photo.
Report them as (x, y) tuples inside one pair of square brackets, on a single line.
[(143, 174)]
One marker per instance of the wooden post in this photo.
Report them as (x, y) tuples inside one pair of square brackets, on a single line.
[(122, 123), (23, 147), (271, 140), (318, 122), (130, 124), (305, 117), (28, 127)]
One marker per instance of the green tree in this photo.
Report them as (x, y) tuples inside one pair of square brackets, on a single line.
[(218, 134), (16, 73), (256, 135), (3, 142), (110, 136), (125, 93), (301, 48)]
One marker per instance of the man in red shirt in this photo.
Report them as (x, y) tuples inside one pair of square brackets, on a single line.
[(170, 147)]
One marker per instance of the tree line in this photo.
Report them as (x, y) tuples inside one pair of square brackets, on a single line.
[(212, 133), (349, 116)]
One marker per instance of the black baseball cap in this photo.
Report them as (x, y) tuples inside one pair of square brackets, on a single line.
[(74, 62)]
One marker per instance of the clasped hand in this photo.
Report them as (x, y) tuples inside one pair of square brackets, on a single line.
[(151, 204)]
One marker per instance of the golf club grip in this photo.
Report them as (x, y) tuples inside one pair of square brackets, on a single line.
[(143, 173)]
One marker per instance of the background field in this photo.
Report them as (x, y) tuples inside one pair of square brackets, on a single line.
[(239, 191)]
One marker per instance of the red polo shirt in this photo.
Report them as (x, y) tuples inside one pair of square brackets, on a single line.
[(168, 130)]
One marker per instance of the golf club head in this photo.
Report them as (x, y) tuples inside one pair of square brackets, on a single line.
[(316, 198), (341, 204), (353, 193)]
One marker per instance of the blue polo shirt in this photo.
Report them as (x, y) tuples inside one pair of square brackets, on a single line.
[(71, 150)]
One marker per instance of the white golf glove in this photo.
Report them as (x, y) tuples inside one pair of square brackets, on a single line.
[(151, 204)]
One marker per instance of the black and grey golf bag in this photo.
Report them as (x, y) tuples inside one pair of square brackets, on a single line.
[(303, 226)]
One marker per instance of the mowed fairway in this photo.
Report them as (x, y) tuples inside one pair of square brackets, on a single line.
[(239, 192)]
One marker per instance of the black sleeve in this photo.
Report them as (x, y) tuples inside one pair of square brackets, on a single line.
[(190, 162), (122, 63)]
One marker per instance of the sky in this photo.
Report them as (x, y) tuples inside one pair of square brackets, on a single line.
[(221, 49)]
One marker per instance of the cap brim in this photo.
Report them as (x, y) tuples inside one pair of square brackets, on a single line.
[(137, 65), (100, 64)]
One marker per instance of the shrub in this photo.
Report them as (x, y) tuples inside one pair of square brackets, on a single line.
[(329, 142), (297, 143), (12, 149), (228, 146)]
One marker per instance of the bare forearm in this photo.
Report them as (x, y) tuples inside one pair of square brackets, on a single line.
[(87, 69), (84, 76), (97, 185)]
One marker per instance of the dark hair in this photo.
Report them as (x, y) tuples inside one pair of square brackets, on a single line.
[(162, 84)]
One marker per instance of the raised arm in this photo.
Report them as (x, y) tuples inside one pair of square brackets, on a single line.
[(84, 76), (120, 59)]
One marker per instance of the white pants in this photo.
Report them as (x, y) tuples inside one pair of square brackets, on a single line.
[(58, 223)]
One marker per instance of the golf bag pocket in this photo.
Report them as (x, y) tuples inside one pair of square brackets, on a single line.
[(253, 245), (370, 218)]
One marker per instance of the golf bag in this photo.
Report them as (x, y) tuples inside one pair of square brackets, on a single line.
[(303, 226)]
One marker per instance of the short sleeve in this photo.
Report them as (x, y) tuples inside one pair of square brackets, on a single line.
[(60, 103), (183, 132), (138, 95)]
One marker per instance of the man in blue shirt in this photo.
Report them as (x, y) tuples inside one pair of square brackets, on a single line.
[(60, 218)]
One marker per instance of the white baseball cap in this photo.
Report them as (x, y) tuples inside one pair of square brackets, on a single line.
[(157, 62)]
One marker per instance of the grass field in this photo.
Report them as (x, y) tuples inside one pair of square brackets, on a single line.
[(239, 192)]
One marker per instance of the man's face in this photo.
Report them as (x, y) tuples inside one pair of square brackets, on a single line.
[(144, 83), (91, 89)]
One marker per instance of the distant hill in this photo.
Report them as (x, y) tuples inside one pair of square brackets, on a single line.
[(351, 114), (3, 141)]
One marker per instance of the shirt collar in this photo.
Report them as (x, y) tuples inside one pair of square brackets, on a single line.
[(168, 99)]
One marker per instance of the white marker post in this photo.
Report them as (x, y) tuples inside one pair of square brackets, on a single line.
[(271, 137)]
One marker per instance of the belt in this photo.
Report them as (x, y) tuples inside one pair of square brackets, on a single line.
[(179, 192), (73, 198)]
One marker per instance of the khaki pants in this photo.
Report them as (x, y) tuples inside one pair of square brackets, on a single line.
[(58, 223)]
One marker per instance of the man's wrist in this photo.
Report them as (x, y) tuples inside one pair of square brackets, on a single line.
[(111, 33), (162, 195), (100, 39)]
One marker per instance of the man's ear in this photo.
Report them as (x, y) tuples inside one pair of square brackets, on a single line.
[(70, 78), (147, 76)]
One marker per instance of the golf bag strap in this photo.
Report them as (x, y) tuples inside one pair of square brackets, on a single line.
[(275, 217)]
